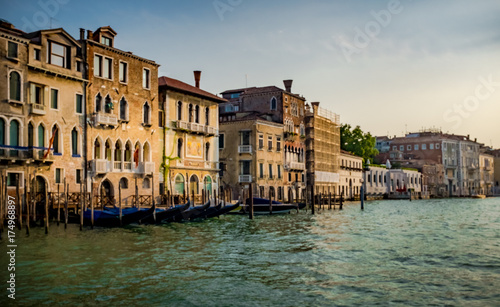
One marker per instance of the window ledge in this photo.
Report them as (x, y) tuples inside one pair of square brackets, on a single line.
[(76, 156), (16, 102), (146, 124), (124, 120), (57, 154), (16, 59)]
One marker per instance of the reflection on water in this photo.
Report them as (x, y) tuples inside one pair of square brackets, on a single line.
[(409, 253)]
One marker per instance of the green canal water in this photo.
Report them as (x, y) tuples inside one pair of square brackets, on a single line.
[(428, 252)]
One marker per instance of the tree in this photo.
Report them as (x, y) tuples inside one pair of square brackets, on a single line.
[(357, 142)]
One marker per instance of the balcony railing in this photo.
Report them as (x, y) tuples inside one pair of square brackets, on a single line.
[(127, 166), (100, 166), (117, 166), (37, 108), (146, 167), (105, 119), (196, 128), (245, 178), (295, 166), (210, 130), (245, 149)]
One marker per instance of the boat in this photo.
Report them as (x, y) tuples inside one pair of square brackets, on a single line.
[(261, 206), (187, 214), (223, 210), (164, 214), (203, 214), (481, 196), (110, 217)]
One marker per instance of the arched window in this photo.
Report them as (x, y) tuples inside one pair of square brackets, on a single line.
[(123, 109), (207, 116), (107, 150), (2, 134), (274, 103), (179, 110), (146, 152), (41, 136), (207, 151), (124, 183), (98, 100), (118, 151), (55, 143), (74, 142), (179, 148), (15, 86), (97, 149), (197, 114), (179, 184), (30, 135), (193, 185), (146, 113), (14, 137), (128, 152), (207, 184), (108, 104), (190, 113), (146, 183)]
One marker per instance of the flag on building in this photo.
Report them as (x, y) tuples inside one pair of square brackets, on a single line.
[(136, 157), (51, 141)]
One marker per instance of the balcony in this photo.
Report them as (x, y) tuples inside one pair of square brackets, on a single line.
[(245, 179), (117, 166), (38, 109), (105, 119), (146, 167), (245, 149), (14, 154), (210, 130), (295, 166), (127, 166), (99, 166)]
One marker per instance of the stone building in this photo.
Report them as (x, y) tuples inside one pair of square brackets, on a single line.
[(283, 107), (41, 115), (251, 152), (380, 181), (190, 135), (123, 137), (351, 175), (486, 173), (323, 149)]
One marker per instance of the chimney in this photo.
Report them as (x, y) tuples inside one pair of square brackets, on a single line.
[(468, 136), (90, 34), (288, 85), (197, 75), (82, 33)]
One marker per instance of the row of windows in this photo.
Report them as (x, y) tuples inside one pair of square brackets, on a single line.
[(116, 151), (416, 147), (107, 106), (351, 163), (103, 68), (193, 113), (270, 171), (180, 149), (269, 143)]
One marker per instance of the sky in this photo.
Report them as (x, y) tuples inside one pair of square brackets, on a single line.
[(388, 66)]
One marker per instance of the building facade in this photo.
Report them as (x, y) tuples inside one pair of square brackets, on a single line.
[(251, 153), (351, 175), (322, 149), (392, 183), (486, 173), (124, 144), (190, 152), (283, 107)]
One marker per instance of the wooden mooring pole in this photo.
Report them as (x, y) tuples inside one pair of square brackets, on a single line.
[(28, 204), (362, 197), (80, 203), (46, 208), (66, 194), (250, 196), (58, 205), (19, 204), (313, 200), (119, 202)]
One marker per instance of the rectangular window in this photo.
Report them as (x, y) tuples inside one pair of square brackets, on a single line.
[(98, 65), (59, 172), (261, 170), (408, 147), (57, 54), (270, 171), (269, 143), (290, 177), (12, 52), (431, 146), (416, 146), (401, 147), (123, 72), (54, 98), (161, 119), (394, 147), (36, 92), (108, 68), (245, 167), (245, 138), (79, 105), (106, 41), (12, 180), (279, 171), (145, 78), (79, 66), (221, 141), (36, 54), (78, 176), (437, 145), (261, 142), (424, 146), (278, 144)]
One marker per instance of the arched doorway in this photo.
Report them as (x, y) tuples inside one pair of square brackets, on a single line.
[(179, 185), (106, 193), (193, 185), (39, 192), (207, 185)]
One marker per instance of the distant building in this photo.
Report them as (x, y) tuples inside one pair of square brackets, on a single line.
[(251, 153), (351, 175), (282, 107), (323, 149), (392, 183), (486, 173), (190, 133)]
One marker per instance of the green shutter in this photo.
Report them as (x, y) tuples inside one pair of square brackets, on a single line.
[(41, 136), (2, 132), (15, 86), (53, 98), (79, 103), (14, 133), (74, 141)]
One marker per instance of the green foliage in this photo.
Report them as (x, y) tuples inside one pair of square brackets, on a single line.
[(357, 142)]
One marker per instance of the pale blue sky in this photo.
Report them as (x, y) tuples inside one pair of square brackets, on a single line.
[(420, 64)]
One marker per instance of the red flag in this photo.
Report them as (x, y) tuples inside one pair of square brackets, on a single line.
[(51, 141), (136, 157)]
